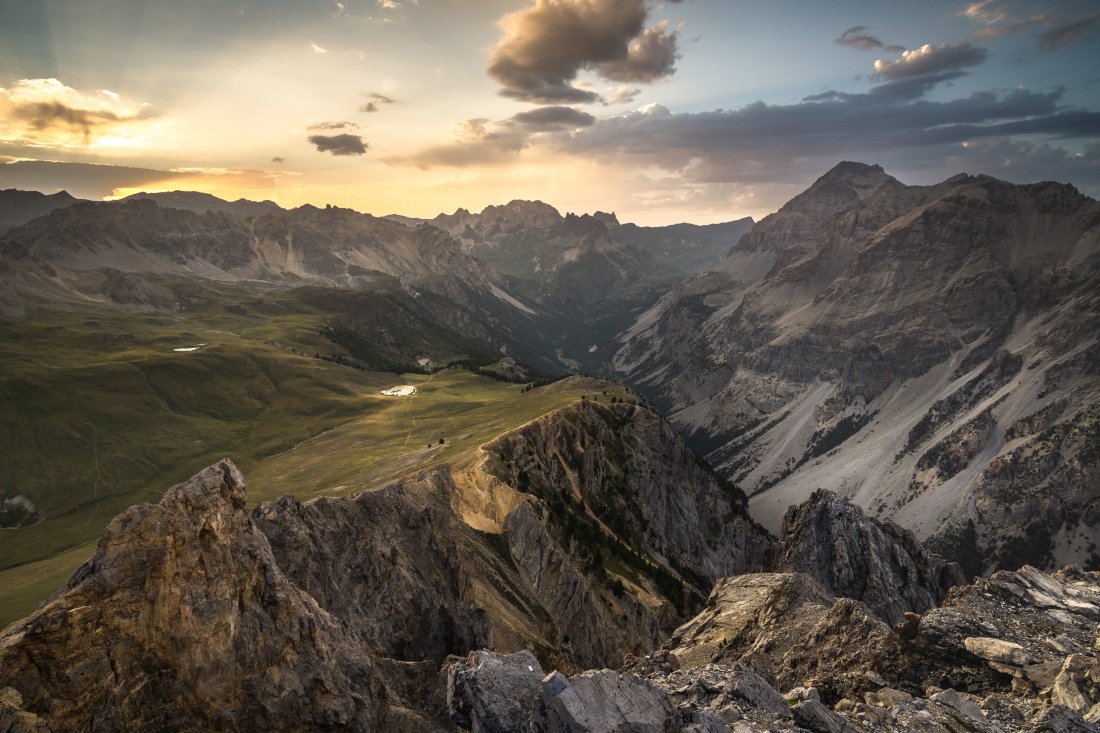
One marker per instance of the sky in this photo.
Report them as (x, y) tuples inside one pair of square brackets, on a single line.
[(659, 110)]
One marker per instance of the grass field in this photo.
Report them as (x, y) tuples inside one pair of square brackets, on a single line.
[(98, 412)]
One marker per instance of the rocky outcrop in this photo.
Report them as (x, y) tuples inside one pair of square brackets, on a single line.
[(184, 620), (626, 467), (855, 556), (1015, 630), (1037, 646), (292, 615), (388, 563), (787, 628), (597, 625)]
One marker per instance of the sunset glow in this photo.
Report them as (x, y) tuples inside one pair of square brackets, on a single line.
[(701, 110)]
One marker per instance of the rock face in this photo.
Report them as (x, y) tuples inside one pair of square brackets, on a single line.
[(926, 351), (854, 556), (184, 620), (626, 465), (1023, 630), (497, 691), (786, 627), (624, 514), (388, 564)]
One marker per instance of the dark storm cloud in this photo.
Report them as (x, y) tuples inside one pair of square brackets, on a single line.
[(345, 144), (548, 44), (858, 37), (1057, 36), (929, 59)]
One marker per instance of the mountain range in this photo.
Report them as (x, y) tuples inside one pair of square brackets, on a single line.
[(926, 351), (929, 352), (520, 470)]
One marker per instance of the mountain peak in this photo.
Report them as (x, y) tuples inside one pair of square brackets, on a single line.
[(844, 183), (608, 218), (524, 208), (849, 168)]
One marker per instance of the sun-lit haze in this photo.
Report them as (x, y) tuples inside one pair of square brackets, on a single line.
[(693, 110)]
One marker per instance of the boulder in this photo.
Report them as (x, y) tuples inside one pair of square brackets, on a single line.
[(606, 702), (492, 692)]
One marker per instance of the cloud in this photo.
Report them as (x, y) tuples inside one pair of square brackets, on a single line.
[(547, 45), (858, 37), (95, 181), (317, 49), (481, 141), (650, 57), (336, 125), (345, 144), (762, 143), (46, 112), (278, 159), (986, 12), (999, 22), (553, 118), (622, 94), (1057, 36), (929, 59), (1014, 25), (374, 102), (83, 180)]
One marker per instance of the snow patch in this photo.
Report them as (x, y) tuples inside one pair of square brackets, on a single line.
[(190, 348), (403, 390)]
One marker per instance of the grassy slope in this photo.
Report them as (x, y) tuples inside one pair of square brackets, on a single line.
[(97, 413)]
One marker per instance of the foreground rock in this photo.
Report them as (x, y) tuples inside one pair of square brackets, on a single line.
[(776, 652), (182, 620), (196, 614)]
